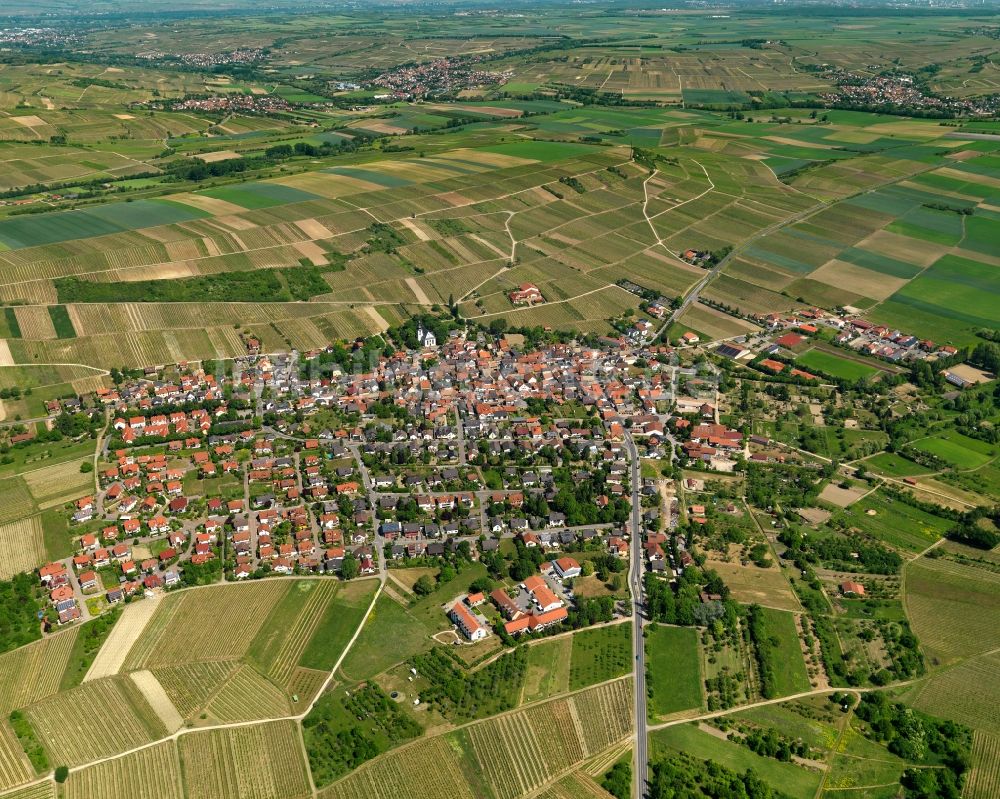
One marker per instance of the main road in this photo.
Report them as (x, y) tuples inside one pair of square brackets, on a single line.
[(641, 759)]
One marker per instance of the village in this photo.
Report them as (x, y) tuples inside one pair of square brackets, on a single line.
[(471, 448)]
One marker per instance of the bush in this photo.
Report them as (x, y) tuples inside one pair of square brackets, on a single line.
[(62, 772)]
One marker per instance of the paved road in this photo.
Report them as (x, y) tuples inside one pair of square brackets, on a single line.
[(641, 760)]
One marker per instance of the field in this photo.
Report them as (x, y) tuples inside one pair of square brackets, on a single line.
[(752, 584), (390, 635), (835, 366), (894, 523), (548, 670), (34, 672), (600, 654), (22, 546), (958, 450), (984, 779), (791, 780), (954, 609), (782, 634), (199, 625), (126, 632), (338, 624), (966, 693), (113, 704), (503, 756), (150, 770), (674, 669), (264, 760)]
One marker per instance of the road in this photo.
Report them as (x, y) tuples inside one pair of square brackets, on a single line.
[(641, 759)]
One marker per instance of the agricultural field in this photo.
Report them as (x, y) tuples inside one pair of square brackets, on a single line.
[(674, 670), (115, 703), (263, 760), (953, 608), (153, 769), (491, 756), (599, 655)]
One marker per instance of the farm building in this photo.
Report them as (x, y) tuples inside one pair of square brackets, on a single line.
[(526, 294)]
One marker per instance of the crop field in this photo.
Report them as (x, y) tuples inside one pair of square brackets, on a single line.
[(149, 772), (247, 695), (22, 546), (40, 790), (201, 625), (15, 768), (33, 672), (53, 485), (600, 654), (965, 693), (190, 686), (286, 633), (263, 761), (984, 778), (674, 669), (954, 608), (113, 705), (505, 756)]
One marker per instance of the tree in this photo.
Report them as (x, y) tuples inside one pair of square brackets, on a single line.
[(423, 586), (349, 567), (62, 772)]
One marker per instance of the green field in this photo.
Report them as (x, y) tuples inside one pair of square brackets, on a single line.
[(390, 635), (600, 654), (674, 669), (958, 450), (790, 780), (342, 617), (790, 675), (259, 195), (835, 366)]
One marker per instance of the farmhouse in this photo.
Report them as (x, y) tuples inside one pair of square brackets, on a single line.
[(851, 588), (526, 294)]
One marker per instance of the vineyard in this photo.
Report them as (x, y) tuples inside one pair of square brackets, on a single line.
[(954, 608), (190, 686), (407, 772), (148, 772), (14, 766), (43, 790), (247, 696), (281, 642), (97, 719), (33, 672), (21, 546), (983, 781), (263, 761), (213, 623), (506, 756)]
